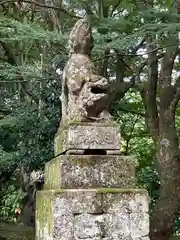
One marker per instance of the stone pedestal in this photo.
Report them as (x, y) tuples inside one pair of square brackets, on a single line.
[(91, 197), (76, 137), (90, 171), (103, 214)]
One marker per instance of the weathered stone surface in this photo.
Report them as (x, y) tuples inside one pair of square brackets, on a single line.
[(143, 238), (87, 136), (80, 214), (52, 174), (88, 226), (63, 218), (90, 172), (44, 216), (117, 225), (78, 201), (136, 202), (139, 225), (89, 144), (117, 238), (84, 94)]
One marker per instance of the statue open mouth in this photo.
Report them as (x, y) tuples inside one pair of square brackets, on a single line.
[(97, 89), (97, 93), (99, 86)]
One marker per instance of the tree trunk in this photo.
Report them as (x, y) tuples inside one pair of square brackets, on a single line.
[(168, 161)]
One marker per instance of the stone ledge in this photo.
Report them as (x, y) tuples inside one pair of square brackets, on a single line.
[(102, 200), (110, 213), (87, 136), (90, 171), (97, 190)]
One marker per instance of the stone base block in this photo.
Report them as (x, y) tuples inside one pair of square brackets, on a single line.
[(68, 171), (83, 136), (96, 214)]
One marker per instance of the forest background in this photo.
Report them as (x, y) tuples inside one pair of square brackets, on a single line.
[(136, 46)]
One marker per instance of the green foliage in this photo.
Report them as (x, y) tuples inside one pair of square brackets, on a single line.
[(12, 30), (11, 199), (32, 47), (28, 139), (7, 159), (138, 142)]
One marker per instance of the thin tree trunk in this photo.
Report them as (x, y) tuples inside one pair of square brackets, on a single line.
[(168, 159)]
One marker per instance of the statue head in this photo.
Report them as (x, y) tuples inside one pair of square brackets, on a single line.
[(80, 39)]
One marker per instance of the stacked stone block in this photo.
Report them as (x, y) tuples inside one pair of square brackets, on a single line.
[(90, 196)]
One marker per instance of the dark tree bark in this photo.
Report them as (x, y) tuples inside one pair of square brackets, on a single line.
[(168, 160), (160, 98), (160, 119)]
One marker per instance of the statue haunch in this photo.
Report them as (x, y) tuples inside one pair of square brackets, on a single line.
[(84, 94)]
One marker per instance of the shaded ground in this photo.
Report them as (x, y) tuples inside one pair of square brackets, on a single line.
[(15, 232)]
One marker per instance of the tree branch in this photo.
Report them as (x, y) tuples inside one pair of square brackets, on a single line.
[(167, 65), (129, 136), (12, 61), (131, 111), (136, 55), (149, 90), (177, 84), (123, 87), (167, 91), (176, 95), (115, 6), (137, 47), (41, 5), (120, 67), (5, 111)]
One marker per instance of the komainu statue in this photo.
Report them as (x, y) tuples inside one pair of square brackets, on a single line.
[(84, 94), (90, 188)]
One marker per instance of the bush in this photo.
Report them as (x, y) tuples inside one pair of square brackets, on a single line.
[(11, 200)]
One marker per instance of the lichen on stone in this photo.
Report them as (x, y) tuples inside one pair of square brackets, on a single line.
[(44, 218)]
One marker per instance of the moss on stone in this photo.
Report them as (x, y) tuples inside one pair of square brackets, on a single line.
[(121, 190), (59, 141), (52, 174), (81, 160), (45, 199), (76, 122), (80, 166), (64, 126), (44, 211), (61, 135), (100, 190)]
